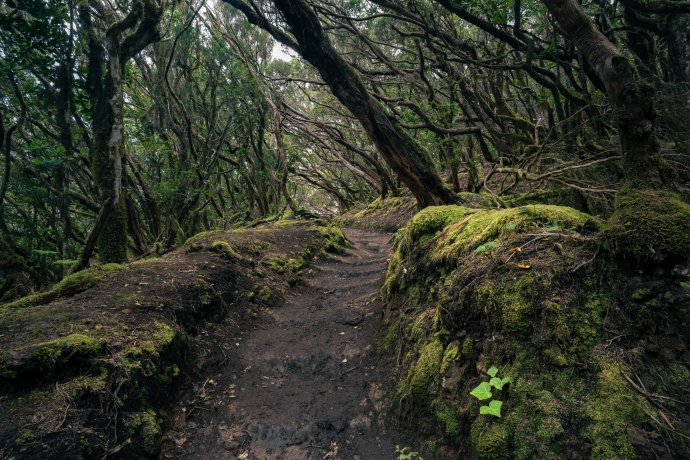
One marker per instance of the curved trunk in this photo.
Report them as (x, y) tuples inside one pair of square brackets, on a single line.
[(408, 159), (631, 97)]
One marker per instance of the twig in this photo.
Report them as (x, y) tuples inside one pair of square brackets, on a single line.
[(116, 450), (586, 262), (350, 370)]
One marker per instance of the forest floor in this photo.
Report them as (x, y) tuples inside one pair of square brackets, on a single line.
[(306, 382), (255, 343)]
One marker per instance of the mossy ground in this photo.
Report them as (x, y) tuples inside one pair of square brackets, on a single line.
[(547, 305), (113, 340)]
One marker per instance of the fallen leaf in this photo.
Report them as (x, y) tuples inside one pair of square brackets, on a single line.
[(345, 360), (180, 441), (524, 266), (515, 249)]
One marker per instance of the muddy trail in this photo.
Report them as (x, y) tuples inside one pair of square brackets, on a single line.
[(306, 382)]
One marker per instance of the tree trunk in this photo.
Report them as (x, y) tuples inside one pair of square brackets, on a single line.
[(407, 158), (649, 220)]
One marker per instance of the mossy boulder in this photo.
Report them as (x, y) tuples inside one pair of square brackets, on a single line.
[(650, 225), (564, 319)]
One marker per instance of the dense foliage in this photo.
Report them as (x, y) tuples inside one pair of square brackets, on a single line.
[(144, 123)]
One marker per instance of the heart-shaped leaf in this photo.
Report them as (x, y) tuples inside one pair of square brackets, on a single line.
[(493, 370), (494, 408), (505, 381), (482, 392), (496, 383)]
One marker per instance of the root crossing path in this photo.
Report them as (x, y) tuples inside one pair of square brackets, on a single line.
[(307, 383)]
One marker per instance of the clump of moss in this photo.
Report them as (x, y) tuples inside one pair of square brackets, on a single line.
[(69, 286), (611, 407), (422, 377), (490, 440), (650, 225), (334, 240), (50, 354), (266, 294), (145, 426), (277, 264), (224, 248), (297, 264)]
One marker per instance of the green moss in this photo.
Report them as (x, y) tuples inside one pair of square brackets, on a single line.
[(612, 407), (203, 236), (449, 418), (424, 374), (266, 294), (334, 240), (389, 340), (70, 285), (490, 440), (50, 354), (163, 334), (276, 264), (297, 264), (554, 356), (451, 355), (145, 426), (650, 224), (224, 248), (518, 305), (468, 350)]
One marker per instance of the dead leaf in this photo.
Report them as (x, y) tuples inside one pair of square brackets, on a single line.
[(180, 441), (524, 266), (515, 249)]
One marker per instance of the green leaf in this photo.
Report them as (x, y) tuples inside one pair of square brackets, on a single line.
[(492, 245), (482, 392), (494, 408), (493, 370), (496, 383), (511, 227), (481, 248), (552, 227), (505, 381)]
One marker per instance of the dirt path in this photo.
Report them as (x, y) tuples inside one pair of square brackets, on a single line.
[(304, 385)]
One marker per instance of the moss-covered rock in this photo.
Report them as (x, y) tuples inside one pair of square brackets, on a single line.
[(650, 225), (224, 248), (553, 312)]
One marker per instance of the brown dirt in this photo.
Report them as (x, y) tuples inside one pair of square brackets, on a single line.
[(305, 382), (107, 385)]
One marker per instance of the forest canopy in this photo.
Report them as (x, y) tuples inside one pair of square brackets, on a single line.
[(128, 127)]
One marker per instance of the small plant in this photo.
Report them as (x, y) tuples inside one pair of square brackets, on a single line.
[(552, 226), (487, 248), (406, 453), (483, 392)]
